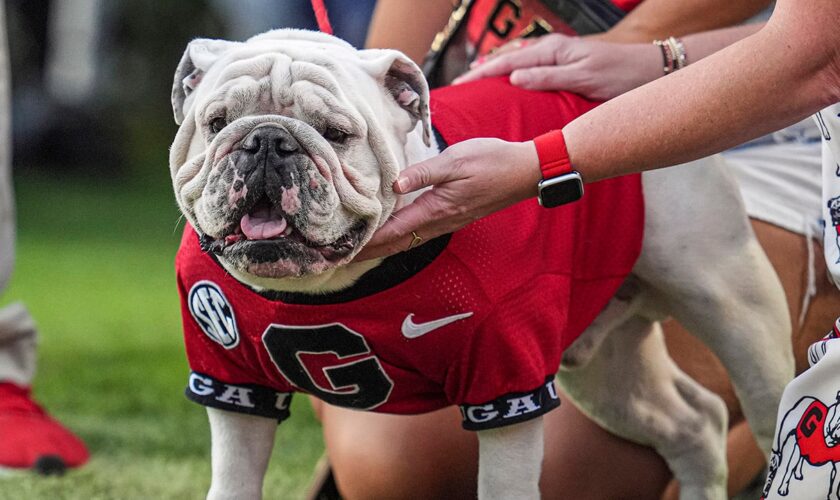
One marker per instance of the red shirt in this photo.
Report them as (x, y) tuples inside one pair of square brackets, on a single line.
[(479, 319), (492, 23), (476, 29)]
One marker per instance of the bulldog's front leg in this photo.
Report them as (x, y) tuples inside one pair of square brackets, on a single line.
[(510, 460), (241, 448)]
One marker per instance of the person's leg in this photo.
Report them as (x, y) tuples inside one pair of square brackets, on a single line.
[(788, 253), (7, 213), (431, 456), (28, 436)]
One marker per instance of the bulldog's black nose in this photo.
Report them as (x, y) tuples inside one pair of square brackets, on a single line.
[(270, 141)]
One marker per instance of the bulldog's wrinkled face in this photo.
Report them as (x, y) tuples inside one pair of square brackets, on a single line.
[(288, 146)]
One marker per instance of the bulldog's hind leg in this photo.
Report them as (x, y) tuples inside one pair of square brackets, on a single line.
[(711, 274), (632, 388)]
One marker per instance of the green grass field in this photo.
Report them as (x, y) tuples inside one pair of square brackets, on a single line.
[(95, 267)]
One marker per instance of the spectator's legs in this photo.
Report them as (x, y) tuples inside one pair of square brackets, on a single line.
[(28, 436), (7, 213)]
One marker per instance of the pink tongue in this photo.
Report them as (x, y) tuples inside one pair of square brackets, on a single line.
[(261, 225)]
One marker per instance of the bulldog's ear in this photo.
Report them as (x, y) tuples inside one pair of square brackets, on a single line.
[(200, 55), (405, 82)]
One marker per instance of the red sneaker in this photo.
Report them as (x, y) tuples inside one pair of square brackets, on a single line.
[(31, 439)]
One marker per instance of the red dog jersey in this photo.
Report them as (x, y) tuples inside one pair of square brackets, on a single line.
[(478, 318)]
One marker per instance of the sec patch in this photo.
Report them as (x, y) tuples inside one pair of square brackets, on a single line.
[(213, 313)]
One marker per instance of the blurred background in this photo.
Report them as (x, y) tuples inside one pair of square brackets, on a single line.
[(98, 229)]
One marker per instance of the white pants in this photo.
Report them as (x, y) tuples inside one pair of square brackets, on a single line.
[(17, 330)]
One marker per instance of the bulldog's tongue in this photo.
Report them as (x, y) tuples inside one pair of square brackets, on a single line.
[(262, 225)]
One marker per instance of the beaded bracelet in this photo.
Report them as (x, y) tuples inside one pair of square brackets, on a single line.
[(673, 54)]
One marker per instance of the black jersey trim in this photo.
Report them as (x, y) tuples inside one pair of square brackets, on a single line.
[(240, 398), (511, 408)]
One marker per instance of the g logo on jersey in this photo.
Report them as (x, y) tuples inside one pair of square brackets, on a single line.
[(213, 313)]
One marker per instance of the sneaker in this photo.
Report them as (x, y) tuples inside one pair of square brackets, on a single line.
[(31, 439)]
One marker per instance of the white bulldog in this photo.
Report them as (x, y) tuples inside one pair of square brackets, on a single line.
[(287, 148)]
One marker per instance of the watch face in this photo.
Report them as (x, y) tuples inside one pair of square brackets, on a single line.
[(560, 190)]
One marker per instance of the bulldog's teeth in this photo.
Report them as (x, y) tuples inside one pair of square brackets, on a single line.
[(288, 230)]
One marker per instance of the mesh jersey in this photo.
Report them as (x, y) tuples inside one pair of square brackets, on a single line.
[(479, 318)]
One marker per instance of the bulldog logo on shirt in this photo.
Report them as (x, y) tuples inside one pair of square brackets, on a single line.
[(834, 212), (810, 433)]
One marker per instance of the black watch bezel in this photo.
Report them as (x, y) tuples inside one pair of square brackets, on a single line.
[(560, 190)]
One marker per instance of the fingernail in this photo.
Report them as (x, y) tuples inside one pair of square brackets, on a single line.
[(402, 184)]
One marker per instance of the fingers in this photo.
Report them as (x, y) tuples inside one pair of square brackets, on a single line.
[(543, 78), (537, 54), (426, 173), (420, 217)]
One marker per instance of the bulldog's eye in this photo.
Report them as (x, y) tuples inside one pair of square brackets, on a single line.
[(338, 136), (218, 124)]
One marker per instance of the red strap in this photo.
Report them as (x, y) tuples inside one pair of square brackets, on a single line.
[(321, 16), (554, 158)]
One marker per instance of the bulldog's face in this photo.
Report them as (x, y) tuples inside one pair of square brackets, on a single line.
[(288, 146), (834, 209)]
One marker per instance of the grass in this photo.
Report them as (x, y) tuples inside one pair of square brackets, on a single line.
[(95, 268)]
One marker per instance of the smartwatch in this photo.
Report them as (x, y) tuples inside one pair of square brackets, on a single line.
[(560, 183)]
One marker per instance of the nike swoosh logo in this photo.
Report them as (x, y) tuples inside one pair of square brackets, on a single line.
[(412, 330)]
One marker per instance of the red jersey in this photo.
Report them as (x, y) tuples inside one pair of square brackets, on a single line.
[(478, 318)]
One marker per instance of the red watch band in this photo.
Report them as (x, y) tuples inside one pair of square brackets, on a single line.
[(553, 155)]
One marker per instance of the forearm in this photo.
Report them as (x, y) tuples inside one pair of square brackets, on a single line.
[(397, 24), (758, 85), (700, 45), (645, 60), (654, 19)]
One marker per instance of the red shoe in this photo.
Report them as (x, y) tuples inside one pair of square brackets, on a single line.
[(31, 439)]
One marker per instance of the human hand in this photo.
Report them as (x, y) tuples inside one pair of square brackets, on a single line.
[(468, 180), (597, 70)]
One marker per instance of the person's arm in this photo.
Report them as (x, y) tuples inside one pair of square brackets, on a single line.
[(407, 25), (654, 19), (786, 71), (783, 73), (597, 70)]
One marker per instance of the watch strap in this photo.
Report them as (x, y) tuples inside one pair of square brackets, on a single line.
[(553, 155)]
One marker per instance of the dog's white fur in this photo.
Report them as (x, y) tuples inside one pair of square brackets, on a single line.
[(700, 263)]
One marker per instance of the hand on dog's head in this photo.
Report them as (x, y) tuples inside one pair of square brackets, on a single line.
[(287, 149)]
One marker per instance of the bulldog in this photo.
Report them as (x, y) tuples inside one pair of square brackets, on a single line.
[(283, 164)]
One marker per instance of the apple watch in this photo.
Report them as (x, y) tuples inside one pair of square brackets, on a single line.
[(560, 184)]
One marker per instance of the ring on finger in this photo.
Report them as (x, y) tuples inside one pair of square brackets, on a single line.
[(416, 240)]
